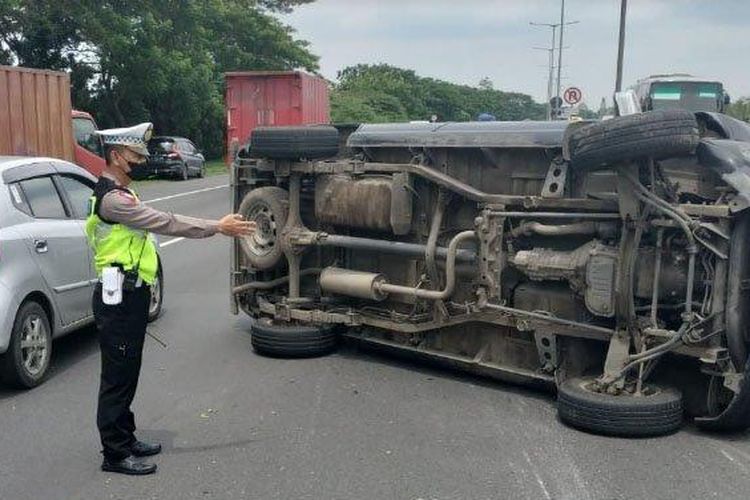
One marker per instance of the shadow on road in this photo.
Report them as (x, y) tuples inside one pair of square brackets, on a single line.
[(167, 439), (437, 370)]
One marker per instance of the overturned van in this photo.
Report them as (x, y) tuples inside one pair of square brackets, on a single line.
[(609, 260)]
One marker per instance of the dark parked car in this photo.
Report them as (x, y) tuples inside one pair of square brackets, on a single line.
[(174, 157)]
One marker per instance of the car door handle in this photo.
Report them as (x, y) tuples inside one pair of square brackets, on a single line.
[(40, 246)]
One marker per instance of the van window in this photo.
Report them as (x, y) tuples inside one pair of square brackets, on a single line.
[(84, 129)]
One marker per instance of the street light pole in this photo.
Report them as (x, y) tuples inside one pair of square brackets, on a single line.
[(559, 53), (621, 45)]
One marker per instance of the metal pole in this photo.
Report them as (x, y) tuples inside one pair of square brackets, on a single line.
[(621, 46), (560, 50), (551, 76)]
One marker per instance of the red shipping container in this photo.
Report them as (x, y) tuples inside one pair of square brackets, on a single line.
[(268, 98)]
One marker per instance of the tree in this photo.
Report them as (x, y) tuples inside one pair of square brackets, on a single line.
[(740, 109), (486, 84), (371, 93), (159, 61)]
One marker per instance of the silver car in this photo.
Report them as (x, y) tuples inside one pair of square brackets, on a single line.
[(46, 266)]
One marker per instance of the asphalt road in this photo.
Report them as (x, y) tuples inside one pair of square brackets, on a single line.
[(350, 426)]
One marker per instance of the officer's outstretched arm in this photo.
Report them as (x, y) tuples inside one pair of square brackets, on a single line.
[(123, 208)]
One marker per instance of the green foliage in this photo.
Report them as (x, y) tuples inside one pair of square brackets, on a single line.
[(740, 109), (383, 93), (152, 60)]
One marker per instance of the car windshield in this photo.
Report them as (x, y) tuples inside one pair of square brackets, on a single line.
[(160, 146), (693, 96)]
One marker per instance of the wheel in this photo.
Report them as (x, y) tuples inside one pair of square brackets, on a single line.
[(294, 143), (737, 310), (25, 363), (157, 296), (656, 134), (292, 341), (268, 207), (184, 173), (657, 411)]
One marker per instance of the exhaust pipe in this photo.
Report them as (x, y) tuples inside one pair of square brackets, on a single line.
[(374, 286)]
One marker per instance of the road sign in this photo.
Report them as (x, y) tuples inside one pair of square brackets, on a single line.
[(572, 95), (555, 102)]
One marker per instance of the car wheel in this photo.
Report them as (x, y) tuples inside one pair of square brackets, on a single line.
[(287, 340), (656, 134), (294, 143), (157, 296), (25, 363), (657, 411), (268, 207)]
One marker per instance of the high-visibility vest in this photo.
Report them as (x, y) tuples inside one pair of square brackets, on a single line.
[(116, 244)]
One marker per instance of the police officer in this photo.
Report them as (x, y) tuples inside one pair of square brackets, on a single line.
[(118, 229)]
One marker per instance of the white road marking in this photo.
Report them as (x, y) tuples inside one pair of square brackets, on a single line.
[(537, 476), (169, 242), (187, 193), (731, 459)]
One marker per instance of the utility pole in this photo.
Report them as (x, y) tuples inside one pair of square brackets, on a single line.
[(559, 47), (621, 45), (550, 74), (551, 51), (562, 25)]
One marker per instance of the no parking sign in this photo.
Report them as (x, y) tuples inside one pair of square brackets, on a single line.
[(572, 95)]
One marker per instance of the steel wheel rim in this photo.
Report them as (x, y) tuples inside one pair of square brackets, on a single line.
[(155, 299), (263, 240), (646, 391), (34, 345)]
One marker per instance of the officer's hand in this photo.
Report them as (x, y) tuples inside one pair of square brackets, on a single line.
[(235, 225)]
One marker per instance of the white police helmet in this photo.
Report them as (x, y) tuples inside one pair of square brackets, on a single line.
[(134, 138)]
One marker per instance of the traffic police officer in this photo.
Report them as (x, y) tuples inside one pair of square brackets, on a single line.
[(118, 229)]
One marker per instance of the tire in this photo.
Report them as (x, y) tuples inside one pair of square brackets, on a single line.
[(292, 341), (26, 367), (624, 415), (656, 134), (157, 296), (268, 207), (294, 143)]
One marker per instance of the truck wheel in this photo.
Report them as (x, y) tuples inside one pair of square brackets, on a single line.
[(268, 207), (656, 134), (657, 411), (292, 341), (25, 363), (294, 143)]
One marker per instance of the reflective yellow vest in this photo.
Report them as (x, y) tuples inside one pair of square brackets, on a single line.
[(117, 244)]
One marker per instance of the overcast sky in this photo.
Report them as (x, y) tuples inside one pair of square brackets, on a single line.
[(464, 40)]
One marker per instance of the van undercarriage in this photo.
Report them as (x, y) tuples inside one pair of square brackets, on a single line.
[(607, 260)]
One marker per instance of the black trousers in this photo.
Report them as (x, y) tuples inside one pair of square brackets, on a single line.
[(122, 331)]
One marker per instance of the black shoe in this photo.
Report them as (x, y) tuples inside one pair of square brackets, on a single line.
[(141, 449), (128, 465)]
